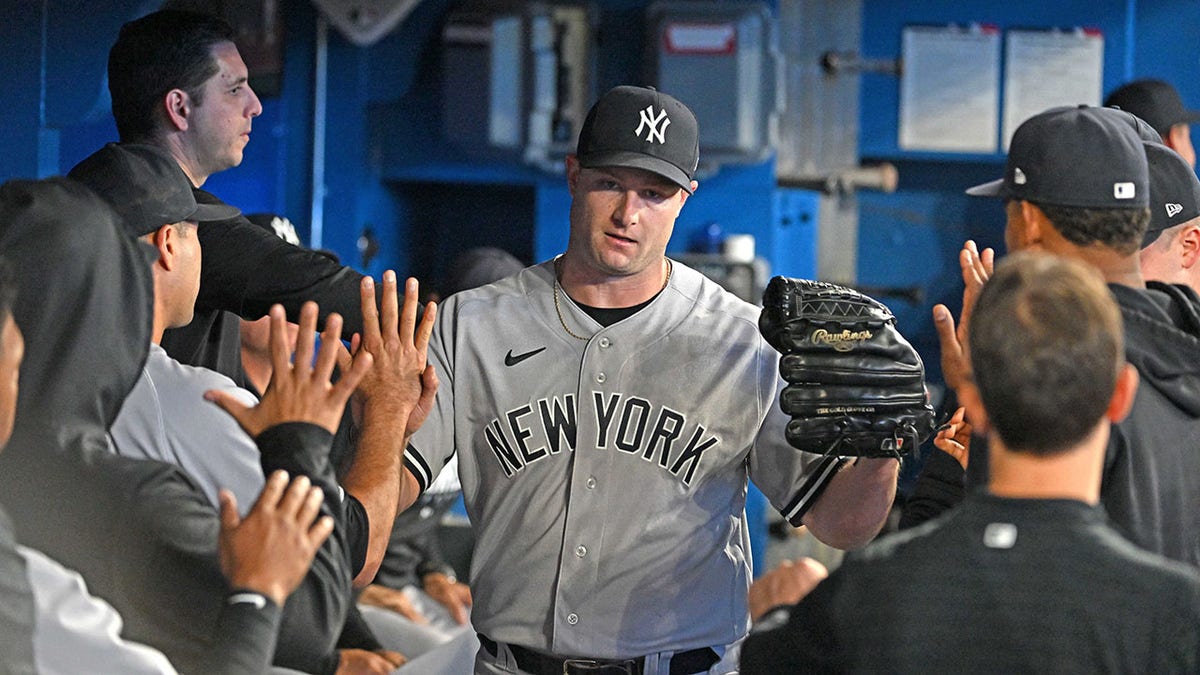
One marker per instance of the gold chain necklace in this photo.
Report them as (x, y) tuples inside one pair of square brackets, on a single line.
[(558, 308)]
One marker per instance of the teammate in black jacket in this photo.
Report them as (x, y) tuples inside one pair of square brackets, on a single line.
[(178, 82)]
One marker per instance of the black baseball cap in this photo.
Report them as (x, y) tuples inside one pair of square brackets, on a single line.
[(1174, 191), (145, 186), (1074, 156), (641, 128), (1155, 101)]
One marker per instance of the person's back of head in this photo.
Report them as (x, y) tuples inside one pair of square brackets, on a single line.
[(1045, 343), (169, 49)]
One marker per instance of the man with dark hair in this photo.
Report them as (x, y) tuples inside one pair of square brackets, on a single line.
[(1157, 102), (1077, 184), (178, 83), (1030, 576), (158, 54)]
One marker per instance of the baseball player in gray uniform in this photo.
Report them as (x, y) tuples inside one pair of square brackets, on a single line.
[(607, 407)]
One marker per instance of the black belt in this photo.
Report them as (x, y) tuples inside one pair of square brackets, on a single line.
[(684, 663)]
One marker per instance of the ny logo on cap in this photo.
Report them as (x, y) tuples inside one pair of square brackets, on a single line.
[(1123, 190), (657, 125), (1173, 209)]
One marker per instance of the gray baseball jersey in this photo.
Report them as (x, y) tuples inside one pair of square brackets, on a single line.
[(606, 478)]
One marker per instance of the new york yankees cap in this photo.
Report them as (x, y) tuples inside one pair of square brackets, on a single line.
[(1155, 101), (1077, 156), (145, 186), (1174, 191), (641, 128)]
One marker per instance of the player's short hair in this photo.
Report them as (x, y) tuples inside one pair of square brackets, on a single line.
[(169, 49), (1046, 345), (1119, 229)]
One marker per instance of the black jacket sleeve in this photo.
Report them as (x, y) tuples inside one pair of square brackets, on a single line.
[(940, 486), (246, 269), (316, 611)]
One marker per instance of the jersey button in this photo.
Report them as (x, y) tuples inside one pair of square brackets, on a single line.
[(590, 483), (581, 551), (601, 377), (605, 343), (572, 618)]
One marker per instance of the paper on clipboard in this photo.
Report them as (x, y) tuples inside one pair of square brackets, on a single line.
[(1048, 68), (950, 88)]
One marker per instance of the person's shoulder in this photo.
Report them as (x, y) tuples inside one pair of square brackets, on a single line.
[(708, 294), (520, 284), (179, 381), (1151, 568)]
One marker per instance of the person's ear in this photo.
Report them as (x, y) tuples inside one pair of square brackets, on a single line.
[(1189, 242), (1123, 394), (178, 106), (1035, 222), (572, 173), (165, 240), (968, 397), (1176, 136)]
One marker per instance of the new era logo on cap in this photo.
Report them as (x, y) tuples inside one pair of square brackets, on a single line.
[(665, 138), (1124, 191), (1174, 191)]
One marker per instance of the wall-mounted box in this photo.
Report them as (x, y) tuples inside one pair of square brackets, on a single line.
[(517, 79), (722, 60)]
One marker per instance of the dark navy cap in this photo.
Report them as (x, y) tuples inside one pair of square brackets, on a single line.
[(1155, 101), (1174, 191), (641, 128), (1074, 156)]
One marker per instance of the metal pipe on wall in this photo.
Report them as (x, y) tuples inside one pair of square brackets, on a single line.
[(320, 94)]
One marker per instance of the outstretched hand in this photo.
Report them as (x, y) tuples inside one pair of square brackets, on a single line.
[(402, 384), (977, 268), (300, 390), (270, 550)]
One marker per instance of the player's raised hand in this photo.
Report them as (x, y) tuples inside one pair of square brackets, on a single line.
[(977, 268), (300, 390), (401, 380), (270, 550)]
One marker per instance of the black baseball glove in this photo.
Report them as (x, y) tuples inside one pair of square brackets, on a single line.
[(856, 387)]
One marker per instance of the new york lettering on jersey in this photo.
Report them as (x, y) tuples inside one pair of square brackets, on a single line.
[(629, 424)]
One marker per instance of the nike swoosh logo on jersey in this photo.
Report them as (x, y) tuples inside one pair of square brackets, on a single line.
[(510, 360)]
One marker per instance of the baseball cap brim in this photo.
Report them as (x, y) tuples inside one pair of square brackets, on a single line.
[(993, 188), (634, 160), (209, 212)]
